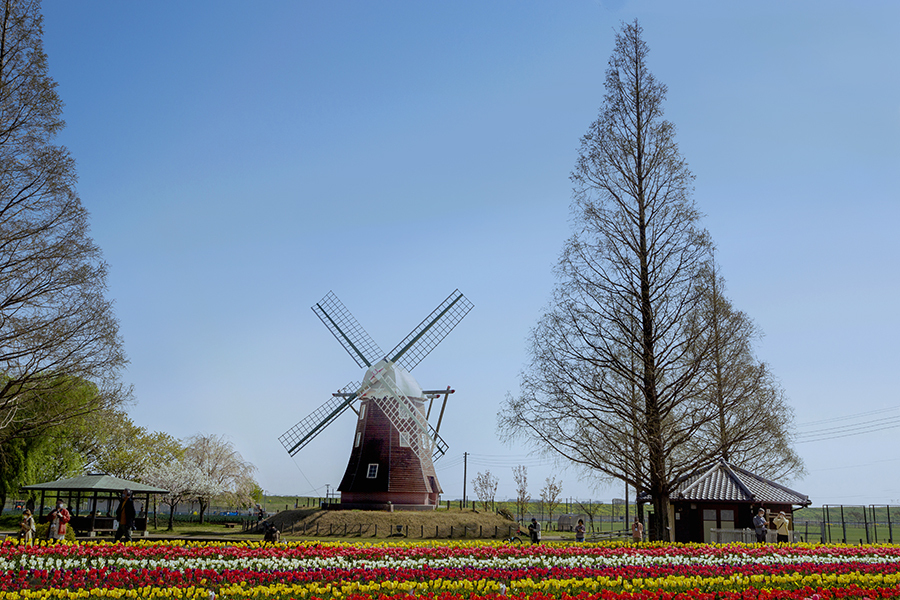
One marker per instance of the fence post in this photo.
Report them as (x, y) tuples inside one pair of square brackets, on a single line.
[(843, 525), (451, 532), (890, 528), (874, 524), (437, 531), (866, 524)]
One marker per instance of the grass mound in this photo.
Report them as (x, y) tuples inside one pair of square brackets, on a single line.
[(412, 524)]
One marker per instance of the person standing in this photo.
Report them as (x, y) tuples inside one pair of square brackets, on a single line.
[(58, 518), (272, 534), (535, 531), (637, 531), (125, 515), (27, 528), (759, 524), (579, 531), (782, 527)]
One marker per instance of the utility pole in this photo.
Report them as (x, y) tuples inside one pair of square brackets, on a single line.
[(465, 467)]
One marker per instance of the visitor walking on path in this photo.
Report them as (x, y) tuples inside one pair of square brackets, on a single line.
[(58, 518), (27, 528), (535, 530), (125, 514), (637, 531), (579, 531)]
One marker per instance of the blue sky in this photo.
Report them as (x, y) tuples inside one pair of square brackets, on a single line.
[(241, 159)]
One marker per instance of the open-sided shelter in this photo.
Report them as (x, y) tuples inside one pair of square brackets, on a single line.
[(92, 500), (725, 497)]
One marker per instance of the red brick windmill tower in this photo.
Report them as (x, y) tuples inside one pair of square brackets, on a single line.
[(394, 445)]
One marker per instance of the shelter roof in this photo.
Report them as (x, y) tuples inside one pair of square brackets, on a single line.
[(95, 483), (725, 482)]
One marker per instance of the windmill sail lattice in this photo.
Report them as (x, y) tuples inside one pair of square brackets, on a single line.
[(429, 333), (348, 331), (295, 438)]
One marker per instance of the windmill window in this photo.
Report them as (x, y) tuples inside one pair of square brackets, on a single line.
[(362, 412), (358, 439), (372, 473), (404, 439)]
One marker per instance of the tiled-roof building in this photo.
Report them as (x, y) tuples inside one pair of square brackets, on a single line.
[(725, 497)]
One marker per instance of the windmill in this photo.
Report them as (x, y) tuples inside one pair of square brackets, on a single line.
[(394, 445)]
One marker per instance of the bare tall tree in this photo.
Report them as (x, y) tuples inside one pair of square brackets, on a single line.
[(56, 328), (613, 374), (753, 421)]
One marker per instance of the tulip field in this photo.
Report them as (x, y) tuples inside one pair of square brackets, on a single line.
[(447, 571)]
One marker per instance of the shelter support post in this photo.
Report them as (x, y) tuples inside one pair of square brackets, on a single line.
[(93, 513)]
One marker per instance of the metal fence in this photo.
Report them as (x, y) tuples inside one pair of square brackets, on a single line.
[(848, 524)]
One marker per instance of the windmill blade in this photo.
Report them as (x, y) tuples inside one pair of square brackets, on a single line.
[(348, 331), (295, 438), (429, 333)]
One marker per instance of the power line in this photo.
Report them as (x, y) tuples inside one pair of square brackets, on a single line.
[(494, 460), (869, 464), (850, 417), (850, 429), (848, 434)]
